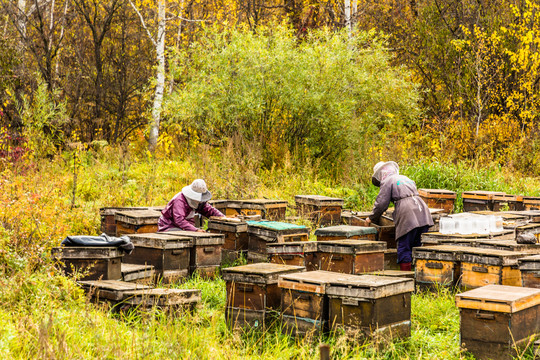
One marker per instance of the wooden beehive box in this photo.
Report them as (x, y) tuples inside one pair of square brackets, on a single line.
[(205, 256), (386, 230), (478, 200), (299, 253), (437, 266), (108, 224), (253, 292), (321, 210), (262, 233), (268, 209), (480, 267), (142, 274), (168, 254), (304, 302), (340, 232), (97, 262), (496, 319), (369, 305), (136, 221), (439, 199), (532, 228), (236, 236), (507, 202), (354, 218), (351, 256), (128, 295), (529, 266)]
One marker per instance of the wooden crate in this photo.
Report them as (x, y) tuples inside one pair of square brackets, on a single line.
[(142, 274), (236, 236), (529, 266), (108, 224), (480, 267), (371, 306), (386, 230), (321, 210), (437, 266), (439, 199), (304, 303), (340, 232), (478, 200), (351, 256), (97, 262), (128, 295), (253, 293), (507, 202), (136, 221), (496, 319), (354, 218), (205, 256), (531, 203), (262, 233), (168, 254), (299, 253)]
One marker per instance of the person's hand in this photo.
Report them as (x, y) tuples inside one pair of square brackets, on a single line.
[(201, 230), (368, 221)]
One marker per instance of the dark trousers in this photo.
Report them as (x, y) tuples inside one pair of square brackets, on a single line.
[(407, 242)]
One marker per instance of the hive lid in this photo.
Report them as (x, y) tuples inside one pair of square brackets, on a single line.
[(104, 211), (162, 297), (504, 197), (275, 225), (499, 298), (353, 246), (531, 258), (198, 237), (113, 285), (311, 281), (437, 193), (292, 247), (86, 252), (161, 240), (318, 200), (480, 194), (370, 286), (393, 273), (263, 268), (138, 217), (222, 223), (533, 199), (345, 230), (278, 203), (441, 248)]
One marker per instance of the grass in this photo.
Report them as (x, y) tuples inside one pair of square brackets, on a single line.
[(45, 315)]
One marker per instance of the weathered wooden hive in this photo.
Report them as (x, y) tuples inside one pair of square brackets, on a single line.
[(96, 262), (304, 301), (531, 203), (439, 199), (480, 267), (299, 253), (205, 251), (108, 224), (351, 256), (498, 320), (168, 254), (340, 232), (136, 221), (268, 209), (321, 210), (437, 266), (262, 233), (253, 295), (507, 202), (142, 274), (236, 236), (371, 306), (479, 200), (529, 266)]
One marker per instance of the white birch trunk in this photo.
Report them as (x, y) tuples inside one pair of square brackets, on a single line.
[(21, 19), (348, 23), (160, 78)]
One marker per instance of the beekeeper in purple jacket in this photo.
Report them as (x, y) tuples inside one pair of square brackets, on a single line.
[(179, 214), (411, 215)]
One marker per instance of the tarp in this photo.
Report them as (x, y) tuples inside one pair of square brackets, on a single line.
[(103, 240)]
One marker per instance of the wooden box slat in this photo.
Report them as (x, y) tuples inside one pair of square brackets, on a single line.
[(351, 256), (137, 273)]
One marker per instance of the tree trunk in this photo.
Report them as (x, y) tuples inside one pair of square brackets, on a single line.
[(160, 79)]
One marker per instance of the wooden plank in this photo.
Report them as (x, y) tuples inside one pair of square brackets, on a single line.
[(499, 298), (84, 252), (318, 200), (351, 246), (138, 217), (369, 286), (160, 240), (437, 193)]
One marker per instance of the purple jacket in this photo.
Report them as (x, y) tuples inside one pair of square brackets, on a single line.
[(175, 213)]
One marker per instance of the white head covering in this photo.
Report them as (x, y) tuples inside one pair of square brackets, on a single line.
[(197, 191), (382, 169)]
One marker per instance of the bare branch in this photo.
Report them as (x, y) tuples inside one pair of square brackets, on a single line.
[(143, 23)]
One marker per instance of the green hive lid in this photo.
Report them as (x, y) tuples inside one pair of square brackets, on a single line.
[(275, 225), (345, 230)]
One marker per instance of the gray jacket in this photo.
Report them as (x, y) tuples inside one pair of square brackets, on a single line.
[(410, 210)]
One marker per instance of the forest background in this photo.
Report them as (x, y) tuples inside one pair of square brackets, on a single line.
[(123, 102)]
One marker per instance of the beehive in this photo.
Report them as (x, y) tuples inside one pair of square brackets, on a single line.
[(136, 221), (236, 236), (340, 232), (479, 200), (439, 199), (108, 224), (496, 319), (529, 266), (370, 305), (321, 210), (205, 251), (168, 254), (96, 262), (268, 209), (299, 253), (253, 295), (507, 202), (263, 232), (531, 203), (351, 256), (437, 266)]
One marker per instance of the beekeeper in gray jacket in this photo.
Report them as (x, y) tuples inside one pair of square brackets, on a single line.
[(411, 214)]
